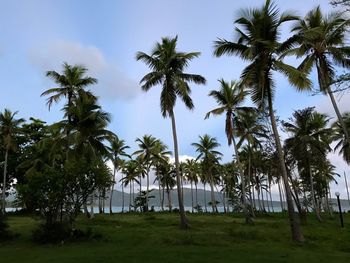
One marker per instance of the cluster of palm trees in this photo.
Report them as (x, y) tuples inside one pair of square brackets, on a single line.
[(299, 167)]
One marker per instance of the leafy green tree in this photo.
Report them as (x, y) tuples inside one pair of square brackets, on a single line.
[(9, 127), (230, 98), (259, 43), (167, 69)]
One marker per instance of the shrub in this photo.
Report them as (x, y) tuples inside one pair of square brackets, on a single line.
[(5, 234)]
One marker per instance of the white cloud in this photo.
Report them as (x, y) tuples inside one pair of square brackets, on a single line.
[(112, 82)]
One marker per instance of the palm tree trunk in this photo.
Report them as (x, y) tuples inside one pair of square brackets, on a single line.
[(252, 202), (271, 197), (3, 208), (111, 195), (293, 218), (248, 219), (340, 119), (313, 196), (213, 201), (163, 197), (131, 194), (192, 195), (347, 188), (147, 188), (205, 199), (196, 196), (280, 194), (123, 198), (183, 219)]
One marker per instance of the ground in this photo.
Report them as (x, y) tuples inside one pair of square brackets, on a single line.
[(156, 237)]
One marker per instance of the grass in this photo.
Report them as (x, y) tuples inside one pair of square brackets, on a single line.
[(157, 238)]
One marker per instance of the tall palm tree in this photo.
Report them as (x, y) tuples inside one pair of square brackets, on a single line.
[(167, 69), (9, 127), (117, 149), (343, 145), (210, 157), (309, 136), (258, 42), (230, 98), (321, 39)]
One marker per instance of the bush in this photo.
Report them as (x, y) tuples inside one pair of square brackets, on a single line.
[(5, 234), (60, 232)]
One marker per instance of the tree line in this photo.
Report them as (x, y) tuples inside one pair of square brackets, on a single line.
[(59, 169)]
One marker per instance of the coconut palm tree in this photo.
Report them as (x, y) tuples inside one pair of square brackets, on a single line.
[(191, 174), (320, 40), (117, 149), (146, 144), (9, 128), (309, 136), (132, 171), (343, 145), (259, 43), (167, 69), (160, 156), (210, 157), (70, 82), (230, 98)]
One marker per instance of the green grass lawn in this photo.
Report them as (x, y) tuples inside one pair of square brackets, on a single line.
[(157, 238)]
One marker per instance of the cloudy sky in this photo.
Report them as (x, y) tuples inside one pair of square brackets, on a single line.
[(39, 35)]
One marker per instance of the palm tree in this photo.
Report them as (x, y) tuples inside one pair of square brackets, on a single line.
[(146, 144), (160, 156), (321, 40), (70, 82), (210, 157), (117, 149), (258, 42), (131, 169), (343, 145), (9, 127), (167, 69), (230, 98), (309, 136), (190, 171)]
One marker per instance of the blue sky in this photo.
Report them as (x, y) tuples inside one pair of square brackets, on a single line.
[(39, 35)]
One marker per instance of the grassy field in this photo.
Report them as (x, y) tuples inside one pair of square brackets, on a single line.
[(157, 238)]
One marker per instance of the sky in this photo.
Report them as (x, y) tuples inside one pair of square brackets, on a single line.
[(104, 36)]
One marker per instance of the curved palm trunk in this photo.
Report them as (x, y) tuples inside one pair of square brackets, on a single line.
[(293, 218), (112, 188), (248, 219), (3, 209), (183, 220), (131, 191)]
